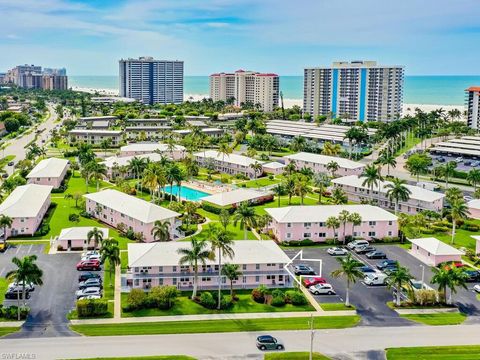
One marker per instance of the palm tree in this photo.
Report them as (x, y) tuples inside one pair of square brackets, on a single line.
[(331, 149), (333, 223), (110, 253), (150, 180), (321, 181), (221, 243), (458, 211), (289, 186), (98, 171), (161, 230), (105, 144), (397, 279), (398, 191), (290, 168), (27, 272), (356, 220), (224, 149), (447, 171), (278, 190), (224, 218), (96, 235), (247, 217), (372, 177), (453, 193), (256, 167), (298, 143), (190, 209), (344, 217), (192, 255), (339, 197), (473, 178), (172, 175), (137, 165), (349, 269), (232, 272), (333, 167), (449, 278), (301, 186), (5, 222), (387, 159)]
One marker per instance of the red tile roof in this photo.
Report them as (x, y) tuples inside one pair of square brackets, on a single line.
[(474, 88)]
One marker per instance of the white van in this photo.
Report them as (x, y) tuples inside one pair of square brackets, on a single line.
[(353, 244), (375, 279)]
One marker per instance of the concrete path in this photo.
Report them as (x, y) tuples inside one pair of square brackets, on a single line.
[(117, 295), (11, 323)]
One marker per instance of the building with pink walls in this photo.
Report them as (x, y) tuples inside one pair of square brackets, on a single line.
[(310, 222), (318, 163), (261, 262), (474, 208), (77, 237), (114, 207), (115, 164), (232, 164), (50, 171), (432, 251), (175, 152)]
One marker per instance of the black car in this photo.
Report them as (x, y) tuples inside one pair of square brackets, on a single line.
[(366, 269), (89, 275), (268, 342), (14, 295), (376, 255), (472, 275), (364, 249), (383, 264)]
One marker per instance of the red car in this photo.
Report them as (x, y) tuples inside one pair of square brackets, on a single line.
[(451, 265), (88, 265), (310, 281)]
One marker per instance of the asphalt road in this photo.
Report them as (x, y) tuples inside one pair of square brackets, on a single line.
[(352, 343)]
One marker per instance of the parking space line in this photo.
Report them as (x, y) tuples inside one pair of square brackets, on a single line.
[(1, 272), (30, 248), (18, 249)]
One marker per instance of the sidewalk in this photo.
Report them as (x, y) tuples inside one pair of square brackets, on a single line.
[(11, 323), (117, 296)]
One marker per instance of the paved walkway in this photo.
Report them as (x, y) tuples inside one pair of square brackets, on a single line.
[(11, 323), (117, 295)]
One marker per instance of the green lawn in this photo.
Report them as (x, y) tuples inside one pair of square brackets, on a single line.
[(3, 287), (72, 315), (214, 326), (260, 182), (284, 202), (124, 261), (437, 319), (464, 352), (410, 143), (294, 356), (4, 161), (185, 306), (108, 284), (163, 357), (463, 238), (8, 330), (336, 307)]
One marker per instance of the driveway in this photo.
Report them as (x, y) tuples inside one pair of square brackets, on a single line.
[(51, 302)]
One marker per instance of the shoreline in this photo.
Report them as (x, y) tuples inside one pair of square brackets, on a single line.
[(408, 109)]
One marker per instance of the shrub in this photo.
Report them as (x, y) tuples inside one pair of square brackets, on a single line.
[(11, 312), (258, 294), (305, 242), (163, 296), (224, 180), (295, 297), (43, 230), (73, 217), (207, 300), (470, 227), (278, 293), (426, 297), (130, 234), (226, 302), (90, 308), (136, 299), (278, 301), (85, 214)]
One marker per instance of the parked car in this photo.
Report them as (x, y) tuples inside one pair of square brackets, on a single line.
[(3, 247), (375, 279), (367, 269), (450, 265), (475, 163), (303, 270), (89, 297), (376, 255), (477, 288), (10, 163), (90, 252), (337, 251), (441, 159), (92, 257), (310, 281), (14, 295), (88, 265), (88, 291), (90, 283), (4, 175), (353, 244), (472, 275), (15, 285), (459, 159), (383, 264), (467, 198), (390, 268), (365, 249), (322, 289), (89, 275), (268, 342), (467, 162)]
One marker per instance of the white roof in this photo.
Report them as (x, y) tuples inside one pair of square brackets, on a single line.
[(131, 206), (435, 246), (235, 196), (273, 165), (324, 160), (230, 158), (474, 204), (94, 131), (320, 213), (165, 253), (121, 161), (52, 167), (97, 118), (150, 147), (80, 233), (25, 201), (416, 192)]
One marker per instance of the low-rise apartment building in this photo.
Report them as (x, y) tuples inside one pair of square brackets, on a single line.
[(318, 163), (146, 132), (175, 152), (420, 199), (95, 136), (50, 171), (261, 263), (120, 165), (310, 222), (90, 121), (231, 164)]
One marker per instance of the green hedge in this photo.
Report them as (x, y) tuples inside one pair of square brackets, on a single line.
[(215, 209), (91, 308), (11, 312)]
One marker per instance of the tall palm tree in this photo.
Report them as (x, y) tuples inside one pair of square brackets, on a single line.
[(331, 149), (222, 244), (27, 272), (150, 180), (458, 211), (279, 190), (398, 191), (344, 218), (137, 165), (321, 181), (333, 223), (397, 279), (172, 175), (224, 149), (257, 168), (473, 178), (190, 208), (333, 167), (161, 230), (338, 196), (5, 222), (355, 219), (290, 168), (289, 186), (448, 279), (197, 252), (246, 216), (96, 235), (372, 178), (98, 171), (110, 253), (389, 160), (301, 186), (231, 272), (349, 269), (447, 171)]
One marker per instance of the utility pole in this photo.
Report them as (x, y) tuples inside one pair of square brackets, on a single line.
[(312, 334)]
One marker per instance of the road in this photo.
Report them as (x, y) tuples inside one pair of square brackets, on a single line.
[(352, 343)]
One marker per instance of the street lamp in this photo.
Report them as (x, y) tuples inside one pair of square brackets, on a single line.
[(423, 274), (312, 334)]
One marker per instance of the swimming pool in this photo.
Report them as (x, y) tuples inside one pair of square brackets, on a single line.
[(186, 192)]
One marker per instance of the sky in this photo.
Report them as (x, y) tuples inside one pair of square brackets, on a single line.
[(88, 37)]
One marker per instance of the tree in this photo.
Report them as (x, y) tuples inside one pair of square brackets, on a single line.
[(257, 168), (449, 279), (105, 145), (349, 269), (453, 194), (331, 149), (161, 230), (190, 209), (150, 180), (5, 222), (210, 166), (196, 253), (339, 197), (333, 167), (298, 143), (289, 186), (321, 181), (447, 171), (356, 220), (397, 279), (224, 218), (473, 178), (247, 217), (372, 178), (333, 223), (301, 186), (224, 149), (343, 218), (418, 164), (458, 211), (231, 272), (27, 272), (96, 235), (221, 243), (110, 253), (279, 190), (387, 159), (398, 191)]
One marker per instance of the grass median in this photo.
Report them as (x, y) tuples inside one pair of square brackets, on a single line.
[(464, 352), (161, 357), (437, 319), (216, 326), (8, 330), (295, 356)]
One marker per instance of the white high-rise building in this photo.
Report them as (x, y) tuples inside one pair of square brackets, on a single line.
[(244, 87), (151, 81), (357, 90), (473, 107)]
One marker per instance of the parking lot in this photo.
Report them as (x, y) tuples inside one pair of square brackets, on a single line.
[(50, 302), (466, 164)]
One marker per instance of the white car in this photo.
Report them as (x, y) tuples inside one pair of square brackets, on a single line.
[(477, 288), (19, 286), (92, 257), (90, 253), (89, 297), (322, 289), (88, 291), (337, 251), (353, 244)]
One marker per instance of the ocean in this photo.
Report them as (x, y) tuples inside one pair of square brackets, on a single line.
[(436, 90)]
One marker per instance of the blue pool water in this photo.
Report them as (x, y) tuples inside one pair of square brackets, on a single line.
[(186, 193)]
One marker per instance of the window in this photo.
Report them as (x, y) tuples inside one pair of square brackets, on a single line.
[(160, 281), (390, 222), (257, 279), (289, 235), (371, 233), (307, 224), (160, 269), (321, 224), (289, 225), (307, 235), (257, 266), (372, 223), (389, 233), (174, 281), (244, 266), (174, 269)]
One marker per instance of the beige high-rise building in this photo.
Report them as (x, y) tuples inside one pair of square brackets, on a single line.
[(244, 87), (473, 107)]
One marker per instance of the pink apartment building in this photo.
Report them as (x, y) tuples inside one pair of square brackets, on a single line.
[(95, 136), (176, 152), (114, 207), (474, 208), (114, 163), (50, 171), (261, 263), (230, 164), (318, 163), (432, 251), (309, 222), (77, 237), (420, 199), (26, 205)]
